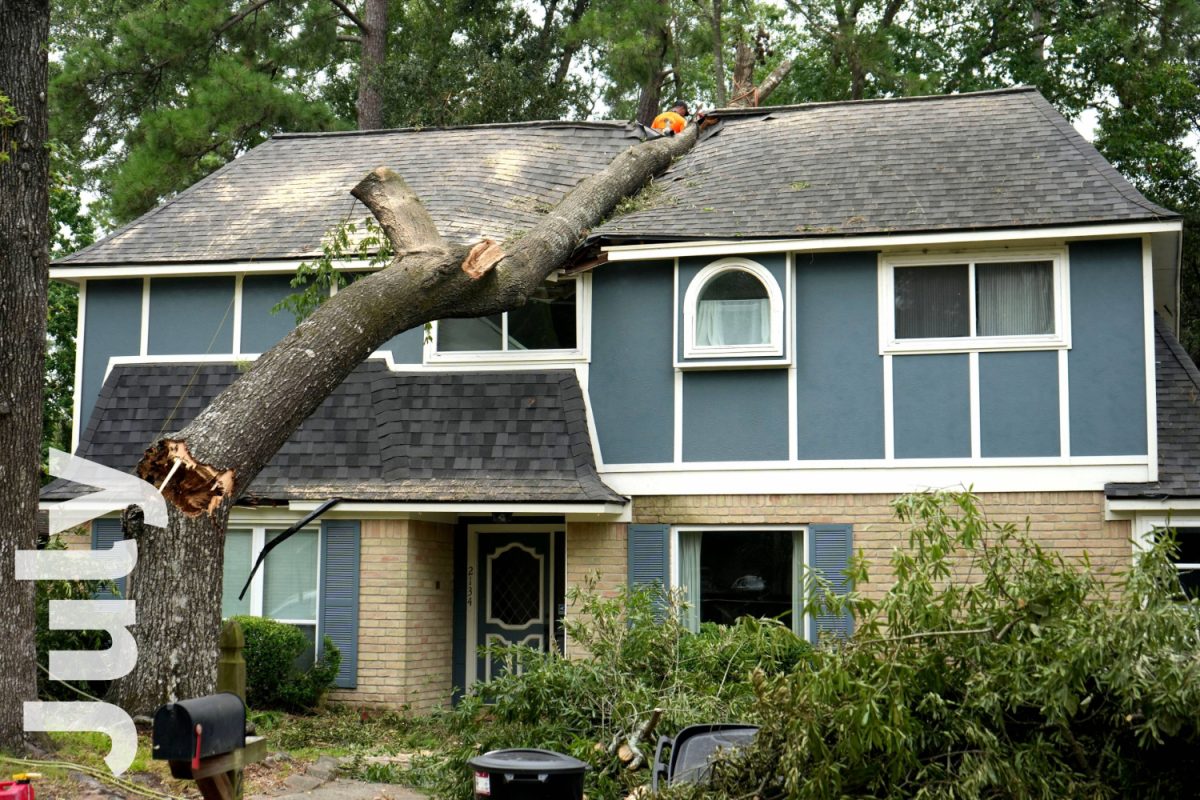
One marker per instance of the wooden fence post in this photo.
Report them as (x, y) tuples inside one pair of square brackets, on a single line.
[(231, 677)]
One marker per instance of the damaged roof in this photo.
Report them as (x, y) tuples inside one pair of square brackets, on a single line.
[(1178, 401), (278, 200), (999, 159), (431, 437)]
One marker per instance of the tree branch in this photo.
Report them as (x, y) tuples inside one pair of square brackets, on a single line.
[(350, 15), (345, 37), (405, 221), (772, 81), (241, 15)]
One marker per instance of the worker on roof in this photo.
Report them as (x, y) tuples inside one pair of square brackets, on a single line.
[(672, 121)]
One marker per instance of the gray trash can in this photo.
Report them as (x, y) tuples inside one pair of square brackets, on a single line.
[(528, 774)]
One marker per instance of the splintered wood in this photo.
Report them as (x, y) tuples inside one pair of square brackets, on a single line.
[(194, 487)]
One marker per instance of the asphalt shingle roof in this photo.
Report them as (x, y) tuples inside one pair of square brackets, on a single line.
[(444, 437), (1178, 399), (998, 159), (278, 200)]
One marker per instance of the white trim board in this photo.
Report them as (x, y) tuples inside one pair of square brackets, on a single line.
[(867, 480), (198, 269), (717, 247)]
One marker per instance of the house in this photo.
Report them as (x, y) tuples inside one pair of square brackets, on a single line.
[(819, 307)]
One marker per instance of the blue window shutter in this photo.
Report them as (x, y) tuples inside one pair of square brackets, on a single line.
[(648, 556), (829, 550), (105, 534), (340, 553)]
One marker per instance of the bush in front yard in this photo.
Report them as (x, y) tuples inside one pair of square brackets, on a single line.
[(991, 668), (273, 679), (640, 659)]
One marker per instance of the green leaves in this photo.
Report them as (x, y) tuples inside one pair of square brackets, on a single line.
[(991, 667)]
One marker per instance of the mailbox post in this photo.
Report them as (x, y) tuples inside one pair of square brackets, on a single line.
[(204, 740)]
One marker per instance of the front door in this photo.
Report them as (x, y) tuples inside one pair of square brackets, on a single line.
[(516, 595)]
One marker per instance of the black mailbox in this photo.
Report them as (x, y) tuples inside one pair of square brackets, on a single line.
[(200, 728)]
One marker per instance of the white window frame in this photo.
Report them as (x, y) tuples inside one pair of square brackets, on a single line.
[(578, 354), (258, 541), (1144, 526), (800, 620), (691, 298), (972, 342)]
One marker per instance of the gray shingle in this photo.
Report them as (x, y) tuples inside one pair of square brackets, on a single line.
[(1178, 399), (452, 437), (960, 162), (278, 200)]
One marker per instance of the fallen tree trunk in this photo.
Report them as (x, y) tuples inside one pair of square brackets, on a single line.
[(178, 579)]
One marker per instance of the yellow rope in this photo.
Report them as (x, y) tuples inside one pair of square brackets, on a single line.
[(100, 775)]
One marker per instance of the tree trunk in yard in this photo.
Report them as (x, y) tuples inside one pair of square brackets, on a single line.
[(374, 51), (224, 448), (24, 261)]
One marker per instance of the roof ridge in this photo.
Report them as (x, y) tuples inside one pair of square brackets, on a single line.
[(918, 98), (549, 124)]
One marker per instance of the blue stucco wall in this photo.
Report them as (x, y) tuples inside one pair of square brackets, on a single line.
[(775, 263), (407, 347), (260, 328), (1106, 366), (191, 315), (931, 399), (839, 372), (735, 415), (112, 327), (632, 381), (1018, 404)]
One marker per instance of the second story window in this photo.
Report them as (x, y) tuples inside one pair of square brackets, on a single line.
[(733, 307), (546, 327), (961, 303)]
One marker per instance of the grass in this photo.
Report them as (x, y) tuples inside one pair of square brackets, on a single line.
[(343, 731)]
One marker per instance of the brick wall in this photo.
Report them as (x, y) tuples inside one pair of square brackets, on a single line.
[(405, 628), (595, 550), (1071, 522)]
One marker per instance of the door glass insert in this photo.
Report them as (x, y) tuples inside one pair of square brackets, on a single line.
[(515, 587)]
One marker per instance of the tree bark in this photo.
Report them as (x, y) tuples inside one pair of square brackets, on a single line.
[(374, 50), (650, 98), (718, 54), (224, 448), (24, 262)]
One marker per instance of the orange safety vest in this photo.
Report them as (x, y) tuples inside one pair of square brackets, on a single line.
[(669, 119)]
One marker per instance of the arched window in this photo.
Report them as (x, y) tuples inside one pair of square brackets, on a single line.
[(733, 307)]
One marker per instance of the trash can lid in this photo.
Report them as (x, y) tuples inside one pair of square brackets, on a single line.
[(527, 760)]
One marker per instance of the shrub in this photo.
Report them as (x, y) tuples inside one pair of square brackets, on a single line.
[(991, 668), (47, 640), (641, 659), (272, 678)]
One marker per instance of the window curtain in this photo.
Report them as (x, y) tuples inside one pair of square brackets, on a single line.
[(237, 569), (1015, 299), (733, 322), (689, 577), (290, 580), (931, 302)]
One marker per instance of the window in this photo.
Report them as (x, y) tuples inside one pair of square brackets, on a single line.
[(732, 308), (1188, 562), (728, 574), (286, 586), (547, 325), (1005, 301)]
